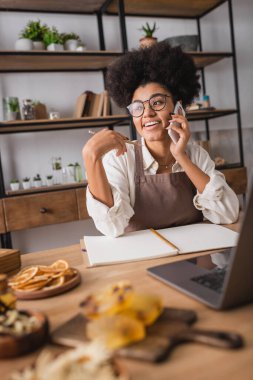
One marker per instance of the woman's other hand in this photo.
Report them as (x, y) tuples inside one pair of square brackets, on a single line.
[(102, 142)]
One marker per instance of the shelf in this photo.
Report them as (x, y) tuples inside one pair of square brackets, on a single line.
[(45, 189), (29, 61), (55, 125), (165, 8), (43, 61), (209, 114), (59, 6)]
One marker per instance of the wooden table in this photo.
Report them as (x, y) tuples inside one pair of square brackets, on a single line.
[(190, 361)]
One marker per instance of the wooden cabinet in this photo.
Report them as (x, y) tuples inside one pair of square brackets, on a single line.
[(2, 219), (36, 210)]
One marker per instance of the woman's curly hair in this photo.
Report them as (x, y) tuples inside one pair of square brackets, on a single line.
[(160, 63)]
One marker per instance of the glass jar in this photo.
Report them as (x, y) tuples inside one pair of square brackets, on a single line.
[(7, 297), (78, 172), (57, 170), (28, 110)]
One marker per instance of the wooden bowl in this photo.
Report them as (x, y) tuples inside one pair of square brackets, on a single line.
[(13, 346)]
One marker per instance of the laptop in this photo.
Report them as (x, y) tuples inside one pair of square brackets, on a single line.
[(220, 280)]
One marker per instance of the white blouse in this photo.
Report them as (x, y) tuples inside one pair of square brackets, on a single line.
[(218, 203)]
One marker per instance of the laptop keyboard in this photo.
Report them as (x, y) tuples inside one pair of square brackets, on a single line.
[(213, 280)]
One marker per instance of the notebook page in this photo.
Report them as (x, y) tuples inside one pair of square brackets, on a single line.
[(133, 246), (200, 237)]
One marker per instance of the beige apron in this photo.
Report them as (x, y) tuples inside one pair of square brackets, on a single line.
[(162, 200)]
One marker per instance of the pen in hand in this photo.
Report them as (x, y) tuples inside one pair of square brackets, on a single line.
[(91, 132)]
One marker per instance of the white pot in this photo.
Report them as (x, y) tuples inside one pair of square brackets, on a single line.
[(37, 183), (50, 182), (11, 115), (55, 47), (26, 185), (14, 186), (23, 44), (71, 45), (70, 171), (81, 48), (38, 45)]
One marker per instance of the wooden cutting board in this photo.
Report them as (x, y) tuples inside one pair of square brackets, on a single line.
[(172, 328), (9, 260)]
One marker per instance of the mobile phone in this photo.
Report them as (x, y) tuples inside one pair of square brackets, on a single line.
[(177, 110)]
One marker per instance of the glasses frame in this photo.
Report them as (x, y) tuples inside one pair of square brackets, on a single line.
[(150, 106)]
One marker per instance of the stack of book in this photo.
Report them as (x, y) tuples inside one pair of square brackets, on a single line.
[(9, 260), (92, 104)]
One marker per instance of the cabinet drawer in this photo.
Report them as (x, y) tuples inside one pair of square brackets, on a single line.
[(2, 219), (81, 202), (35, 210)]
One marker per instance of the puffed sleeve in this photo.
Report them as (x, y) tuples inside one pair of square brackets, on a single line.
[(112, 221)]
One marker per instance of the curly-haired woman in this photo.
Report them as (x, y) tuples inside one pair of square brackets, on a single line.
[(155, 183)]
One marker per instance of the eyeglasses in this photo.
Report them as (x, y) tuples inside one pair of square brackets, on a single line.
[(157, 102)]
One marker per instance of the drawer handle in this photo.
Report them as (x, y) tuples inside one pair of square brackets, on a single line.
[(43, 210)]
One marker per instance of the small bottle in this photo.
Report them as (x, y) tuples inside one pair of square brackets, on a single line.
[(28, 109), (206, 101), (7, 297), (78, 172)]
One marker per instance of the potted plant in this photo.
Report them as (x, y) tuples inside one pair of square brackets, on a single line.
[(11, 108), (148, 39), (70, 41), (14, 184), (49, 179), (70, 170), (37, 182), (26, 183), (53, 39), (35, 31)]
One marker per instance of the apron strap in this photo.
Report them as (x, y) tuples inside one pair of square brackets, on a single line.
[(139, 170)]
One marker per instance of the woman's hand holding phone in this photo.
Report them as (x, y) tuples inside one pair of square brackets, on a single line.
[(178, 130)]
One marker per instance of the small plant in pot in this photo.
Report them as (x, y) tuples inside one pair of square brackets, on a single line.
[(26, 183), (148, 39), (14, 184), (49, 179), (53, 39), (37, 182), (11, 108), (71, 41), (35, 31)]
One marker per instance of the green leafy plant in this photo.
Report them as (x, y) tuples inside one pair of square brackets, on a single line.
[(49, 177), (14, 180), (70, 165), (148, 30), (26, 179), (34, 30), (70, 36), (52, 36), (37, 177), (13, 104)]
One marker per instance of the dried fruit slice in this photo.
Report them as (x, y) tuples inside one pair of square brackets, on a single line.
[(144, 307), (23, 276), (112, 300), (60, 265), (54, 283), (116, 331)]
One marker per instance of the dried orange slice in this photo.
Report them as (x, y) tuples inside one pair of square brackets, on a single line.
[(116, 331), (23, 276), (54, 283), (60, 265)]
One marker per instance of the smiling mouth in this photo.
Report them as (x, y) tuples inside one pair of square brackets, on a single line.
[(151, 124)]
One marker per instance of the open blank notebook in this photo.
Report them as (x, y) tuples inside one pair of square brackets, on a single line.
[(144, 245)]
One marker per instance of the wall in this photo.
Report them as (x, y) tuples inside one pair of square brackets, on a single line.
[(30, 153)]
